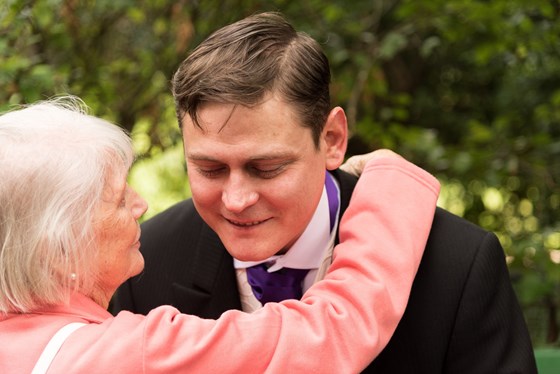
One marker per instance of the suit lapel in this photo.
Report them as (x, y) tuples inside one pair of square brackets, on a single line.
[(212, 288), (211, 256), (346, 182)]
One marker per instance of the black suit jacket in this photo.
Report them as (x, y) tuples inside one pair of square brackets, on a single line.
[(462, 315)]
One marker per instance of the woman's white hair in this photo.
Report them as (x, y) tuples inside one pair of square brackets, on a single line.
[(54, 163)]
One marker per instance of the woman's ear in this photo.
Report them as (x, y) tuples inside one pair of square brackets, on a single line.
[(335, 138)]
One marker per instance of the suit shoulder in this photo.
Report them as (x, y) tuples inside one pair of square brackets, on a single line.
[(179, 222), (176, 215), (456, 236), (445, 220)]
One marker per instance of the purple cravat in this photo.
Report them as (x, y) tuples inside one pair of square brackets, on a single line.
[(286, 283), (332, 195), (276, 286)]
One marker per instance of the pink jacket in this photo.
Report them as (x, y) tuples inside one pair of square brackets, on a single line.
[(340, 324)]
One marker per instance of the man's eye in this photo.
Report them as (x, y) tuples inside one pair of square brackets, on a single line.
[(210, 173), (268, 172)]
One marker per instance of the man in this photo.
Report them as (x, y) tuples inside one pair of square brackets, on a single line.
[(254, 107)]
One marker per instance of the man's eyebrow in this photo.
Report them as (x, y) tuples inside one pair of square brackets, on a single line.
[(273, 156), (200, 157), (262, 157)]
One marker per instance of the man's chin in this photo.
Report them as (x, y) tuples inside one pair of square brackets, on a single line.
[(246, 256)]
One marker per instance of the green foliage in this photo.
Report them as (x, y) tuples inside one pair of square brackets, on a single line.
[(468, 89), (161, 179)]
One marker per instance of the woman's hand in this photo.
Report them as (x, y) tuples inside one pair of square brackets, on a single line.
[(355, 164)]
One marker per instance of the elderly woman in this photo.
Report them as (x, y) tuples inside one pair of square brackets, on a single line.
[(69, 236)]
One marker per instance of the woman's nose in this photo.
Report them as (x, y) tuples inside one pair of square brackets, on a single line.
[(140, 205)]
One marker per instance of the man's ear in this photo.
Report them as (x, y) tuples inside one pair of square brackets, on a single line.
[(335, 138)]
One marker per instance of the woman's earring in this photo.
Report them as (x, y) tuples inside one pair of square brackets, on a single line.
[(73, 276)]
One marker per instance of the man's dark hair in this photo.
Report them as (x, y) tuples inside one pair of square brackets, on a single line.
[(243, 62)]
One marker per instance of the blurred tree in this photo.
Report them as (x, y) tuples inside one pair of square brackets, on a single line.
[(468, 89)]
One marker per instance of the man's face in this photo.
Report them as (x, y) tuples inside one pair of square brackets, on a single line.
[(256, 176)]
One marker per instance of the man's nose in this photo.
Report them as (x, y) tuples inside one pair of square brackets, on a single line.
[(239, 194)]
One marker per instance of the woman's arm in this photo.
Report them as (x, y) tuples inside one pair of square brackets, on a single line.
[(344, 321), (340, 324)]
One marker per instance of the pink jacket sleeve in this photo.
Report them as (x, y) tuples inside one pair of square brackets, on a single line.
[(341, 323)]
